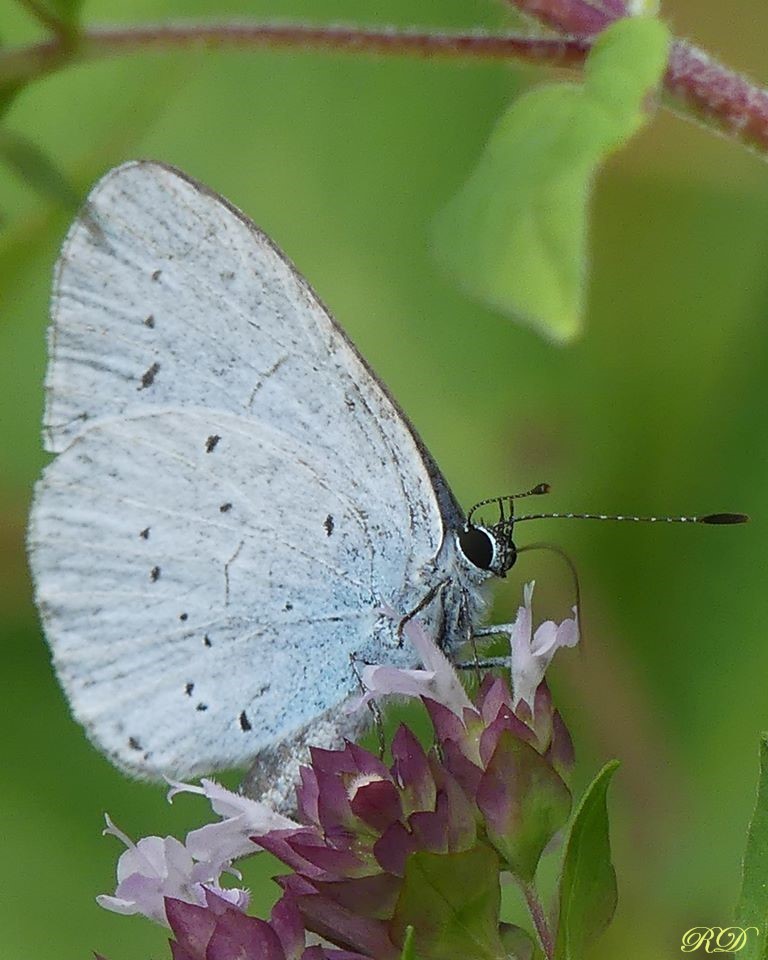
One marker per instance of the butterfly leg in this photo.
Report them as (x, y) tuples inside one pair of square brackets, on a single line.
[(378, 723), (425, 601), (477, 663), (491, 631), (487, 664), (464, 626)]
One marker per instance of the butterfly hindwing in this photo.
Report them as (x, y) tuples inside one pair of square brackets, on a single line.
[(234, 494)]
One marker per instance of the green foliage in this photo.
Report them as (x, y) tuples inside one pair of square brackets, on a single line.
[(588, 883), (8, 93), (343, 160), (452, 902), (516, 234), (408, 949), (66, 12), (525, 812), (516, 942), (752, 909), (36, 169)]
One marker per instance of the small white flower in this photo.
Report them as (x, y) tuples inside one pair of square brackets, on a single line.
[(439, 681), (230, 838), (530, 655), (531, 652), (159, 867)]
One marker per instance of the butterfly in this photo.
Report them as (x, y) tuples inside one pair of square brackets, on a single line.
[(235, 497), (238, 511)]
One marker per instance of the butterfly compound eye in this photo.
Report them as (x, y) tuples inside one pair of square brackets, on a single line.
[(477, 546)]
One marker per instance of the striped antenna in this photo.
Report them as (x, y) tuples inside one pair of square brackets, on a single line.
[(542, 488), (715, 518), (536, 491)]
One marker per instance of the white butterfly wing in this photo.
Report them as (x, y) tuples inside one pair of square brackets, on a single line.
[(234, 496)]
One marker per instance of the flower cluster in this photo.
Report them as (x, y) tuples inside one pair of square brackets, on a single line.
[(488, 792), (219, 931), (378, 848)]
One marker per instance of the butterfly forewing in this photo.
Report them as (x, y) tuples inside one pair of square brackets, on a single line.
[(234, 494)]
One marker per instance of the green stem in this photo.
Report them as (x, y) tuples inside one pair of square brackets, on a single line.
[(47, 18)]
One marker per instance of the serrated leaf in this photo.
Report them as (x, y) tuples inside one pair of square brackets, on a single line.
[(752, 909), (452, 902), (30, 163), (515, 236), (588, 892)]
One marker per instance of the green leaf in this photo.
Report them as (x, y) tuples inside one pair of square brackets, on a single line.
[(517, 942), (8, 93), (67, 12), (524, 802), (588, 882), (408, 950), (752, 909), (452, 902), (34, 167), (515, 236)]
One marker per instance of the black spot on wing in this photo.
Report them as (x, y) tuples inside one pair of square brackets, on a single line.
[(148, 378), (210, 443), (245, 723), (328, 524)]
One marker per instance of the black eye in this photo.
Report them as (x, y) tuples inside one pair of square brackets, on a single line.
[(477, 547)]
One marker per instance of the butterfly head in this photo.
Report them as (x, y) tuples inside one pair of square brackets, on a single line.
[(489, 548)]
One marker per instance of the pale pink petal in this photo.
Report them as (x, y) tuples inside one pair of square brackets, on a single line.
[(221, 842), (160, 867), (237, 897), (260, 818), (531, 655), (388, 681), (117, 905), (439, 681)]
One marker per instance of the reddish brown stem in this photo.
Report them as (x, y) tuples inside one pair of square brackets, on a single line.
[(580, 17), (698, 86), (27, 63), (695, 85), (539, 918)]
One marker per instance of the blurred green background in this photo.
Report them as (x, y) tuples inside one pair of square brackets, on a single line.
[(661, 407)]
